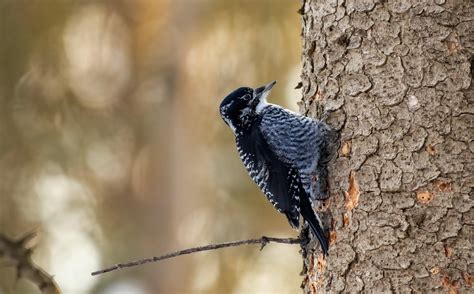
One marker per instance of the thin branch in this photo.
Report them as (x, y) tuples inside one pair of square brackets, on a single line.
[(263, 241), (19, 255)]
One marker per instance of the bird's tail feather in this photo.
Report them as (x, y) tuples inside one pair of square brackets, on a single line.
[(309, 215)]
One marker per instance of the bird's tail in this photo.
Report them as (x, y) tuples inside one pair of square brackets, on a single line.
[(310, 216)]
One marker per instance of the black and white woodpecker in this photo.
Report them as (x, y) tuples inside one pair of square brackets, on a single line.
[(284, 153)]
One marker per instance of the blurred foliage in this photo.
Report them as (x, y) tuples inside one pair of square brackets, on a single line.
[(112, 148)]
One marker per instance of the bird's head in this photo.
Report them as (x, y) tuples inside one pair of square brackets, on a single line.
[(242, 106)]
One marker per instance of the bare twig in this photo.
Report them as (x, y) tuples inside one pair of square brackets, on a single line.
[(263, 241), (16, 252)]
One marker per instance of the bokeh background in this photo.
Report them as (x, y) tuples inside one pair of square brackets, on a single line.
[(112, 148)]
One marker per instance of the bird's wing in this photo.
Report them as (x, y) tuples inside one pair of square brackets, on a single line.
[(277, 180), (303, 145), (282, 189)]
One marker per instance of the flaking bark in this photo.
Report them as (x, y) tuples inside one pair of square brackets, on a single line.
[(397, 76)]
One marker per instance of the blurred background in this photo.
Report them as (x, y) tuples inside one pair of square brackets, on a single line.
[(112, 148)]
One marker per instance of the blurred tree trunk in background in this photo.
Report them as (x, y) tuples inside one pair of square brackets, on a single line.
[(398, 77)]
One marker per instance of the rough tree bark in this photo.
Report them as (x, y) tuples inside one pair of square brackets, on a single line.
[(397, 75)]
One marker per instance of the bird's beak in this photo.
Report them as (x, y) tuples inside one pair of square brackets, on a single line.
[(260, 94), (264, 89)]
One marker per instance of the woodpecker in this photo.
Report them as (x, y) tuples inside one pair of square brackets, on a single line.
[(284, 153)]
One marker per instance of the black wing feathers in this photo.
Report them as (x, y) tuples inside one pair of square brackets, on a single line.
[(277, 187)]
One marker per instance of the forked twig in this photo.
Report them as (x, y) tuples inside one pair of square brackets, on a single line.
[(262, 240), (18, 254)]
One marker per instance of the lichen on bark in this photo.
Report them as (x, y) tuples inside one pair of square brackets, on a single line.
[(397, 76)]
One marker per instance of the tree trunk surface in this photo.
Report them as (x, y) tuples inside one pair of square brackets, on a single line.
[(397, 77)]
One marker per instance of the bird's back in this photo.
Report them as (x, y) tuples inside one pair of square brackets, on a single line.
[(297, 140)]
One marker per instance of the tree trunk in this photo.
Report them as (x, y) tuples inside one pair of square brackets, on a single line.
[(397, 76)]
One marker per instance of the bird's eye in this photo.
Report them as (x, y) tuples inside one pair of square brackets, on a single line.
[(246, 97)]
